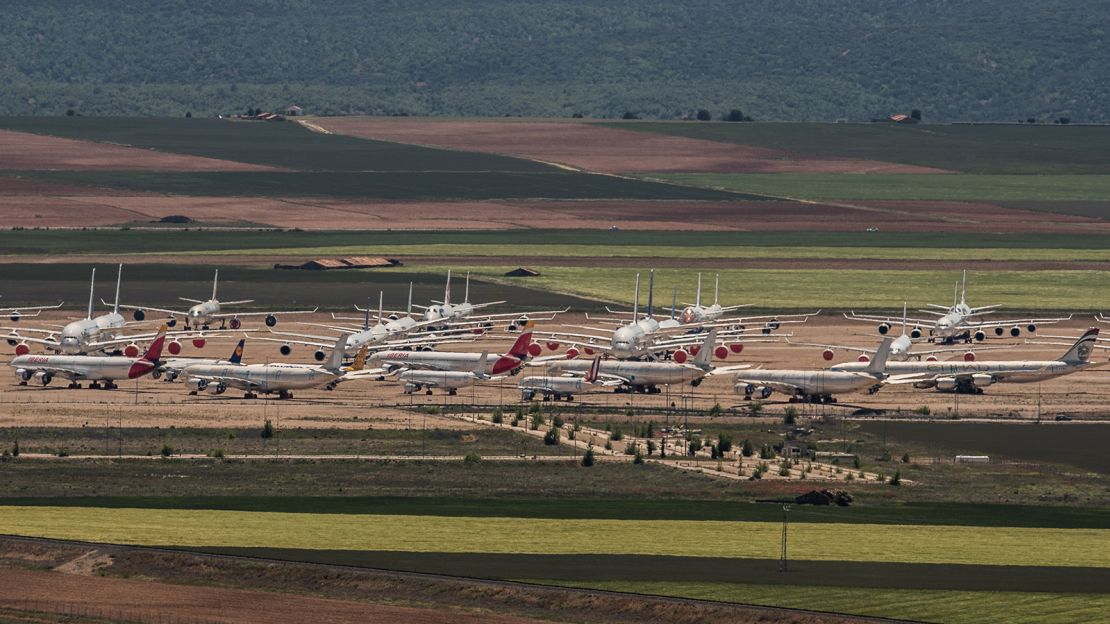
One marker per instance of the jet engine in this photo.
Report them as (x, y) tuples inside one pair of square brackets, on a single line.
[(198, 385), (772, 325), (982, 380), (552, 346), (271, 320), (884, 328), (23, 374), (759, 392), (13, 339), (931, 358), (44, 377), (22, 348), (736, 347), (1031, 328), (235, 323), (171, 322), (969, 356), (534, 350), (946, 384), (139, 315), (219, 388), (131, 350), (15, 316), (572, 353), (174, 347), (980, 336), (828, 355), (694, 349), (720, 353), (199, 343), (285, 349), (320, 355), (1015, 331), (863, 357), (998, 331), (916, 333), (680, 356)]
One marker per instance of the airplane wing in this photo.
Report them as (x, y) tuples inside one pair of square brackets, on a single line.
[(838, 347), (148, 308), (59, 371), (21, 312), (17, 331), (228, 380), (42, 341), (576, 338), (1026, 321), (549, 314), (240, 314), (777, 386), (889, 320)]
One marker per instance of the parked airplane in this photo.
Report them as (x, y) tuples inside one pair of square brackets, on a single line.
[(972, 377), (645, 337), (443, 314), (202, 313), (94, 368), (958, 321), (91, 334), (173, 366), (17, 313), (565, 386), (416, 380), (509, 363), (269, 378), (695, 313), (647, 376), (817, 386)]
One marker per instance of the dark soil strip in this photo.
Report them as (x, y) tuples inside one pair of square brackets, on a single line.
[(643, 568)]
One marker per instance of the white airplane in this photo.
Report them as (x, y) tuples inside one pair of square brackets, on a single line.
[(647, 376), (394, 333), (416, 380), (444, 314), (695, 313), (270, 378), (566, 386), (972, 377), (202, 313), (91, 334), (645, 337), (814, 386), (901, 349), (509, 363), (172, 367), (958, 321), (17, 313), (94, 368)]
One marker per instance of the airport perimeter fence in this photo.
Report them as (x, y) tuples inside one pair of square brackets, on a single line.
[(103, 613)]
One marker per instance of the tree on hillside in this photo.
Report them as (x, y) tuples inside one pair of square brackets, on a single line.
[(915, 114), (629, 115), (703, 115), (736, 115)]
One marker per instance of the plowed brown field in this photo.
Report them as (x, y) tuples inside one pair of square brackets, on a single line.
[(595, 148), (23, 151)]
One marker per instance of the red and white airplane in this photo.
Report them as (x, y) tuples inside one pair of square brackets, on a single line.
[(93, 368)]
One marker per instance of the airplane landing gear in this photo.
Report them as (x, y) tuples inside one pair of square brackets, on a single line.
[(94, 385), (452, 392), (74, 386), (250, 395), (285, 394)]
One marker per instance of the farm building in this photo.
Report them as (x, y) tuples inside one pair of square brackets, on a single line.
[(353, 262), (523, 272)]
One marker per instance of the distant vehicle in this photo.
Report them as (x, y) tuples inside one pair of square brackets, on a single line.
[(1061, 417)]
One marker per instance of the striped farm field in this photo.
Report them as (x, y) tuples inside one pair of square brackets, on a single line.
[(953, 607), (841, 542)]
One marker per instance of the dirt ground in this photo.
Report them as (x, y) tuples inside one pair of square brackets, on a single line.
[(24, 151), (382, 404), (596, 148)]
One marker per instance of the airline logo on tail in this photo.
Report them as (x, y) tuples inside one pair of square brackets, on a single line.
[(149, 361)]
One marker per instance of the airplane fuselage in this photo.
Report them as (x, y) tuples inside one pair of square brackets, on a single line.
[(447, 380), (809, 383), (637, 373), (1017, 371), (202, 313), (77, 367), (264, 377), (77, 335), (459, 362), (633, 340)]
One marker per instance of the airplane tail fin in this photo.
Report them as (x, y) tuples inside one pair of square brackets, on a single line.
[(381, 308), (595, 369), (359, 362), (716, 287), (154, 351), (903, 318), (651, 292), (480, 369), (215, 283), (336, 357), (674, 301), (877, 365), (1080, 352), (409, 309), (702, 360), (237, 354), (119, 278), (447, 290), (92, 288), (523, 342), (466, 289), (697, 301), (963, 291), (635, 300)]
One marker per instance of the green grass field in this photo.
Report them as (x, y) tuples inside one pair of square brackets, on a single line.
[(909, 187), (952, 607), (840, 542), (970, 149)]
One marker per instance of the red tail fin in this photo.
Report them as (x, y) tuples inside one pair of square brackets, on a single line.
[(154, 351), (520, 347), (595, 369)]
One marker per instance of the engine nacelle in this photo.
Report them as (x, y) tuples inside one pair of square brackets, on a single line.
[(827, 355), (235, 323), (773, 325), (982, 380), (139, 315), (171, 322), (320, 355), (680, 356), (199, 343), (998, 331), (217, 388), (22, 348), (720, 353), (285, 349), (863, 357), (931, 358), (174, 347), (24, 374), (694, 349), (969, 356), (1031, 328), (13, 339), (759, 392), (884, 328), (15, 316), (271, 320), (572, 353), (946, 384), (131, 350), (916, 333), (553, 346), (1015, 331), (588, 351), (736, 347), (197, 384), (156, 373), (44, 377), (980, 336), (534, 350)]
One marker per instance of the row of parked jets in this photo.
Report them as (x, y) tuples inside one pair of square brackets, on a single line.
[(627, 351)]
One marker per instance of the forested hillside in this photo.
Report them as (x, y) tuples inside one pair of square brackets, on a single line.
[(794, 60)]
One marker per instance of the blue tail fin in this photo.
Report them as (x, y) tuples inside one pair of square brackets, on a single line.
[(237, 354)]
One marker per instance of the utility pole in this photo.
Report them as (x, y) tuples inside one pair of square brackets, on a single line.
[(785, 524)]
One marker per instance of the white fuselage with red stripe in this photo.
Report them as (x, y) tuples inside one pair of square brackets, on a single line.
[(77, 367)]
